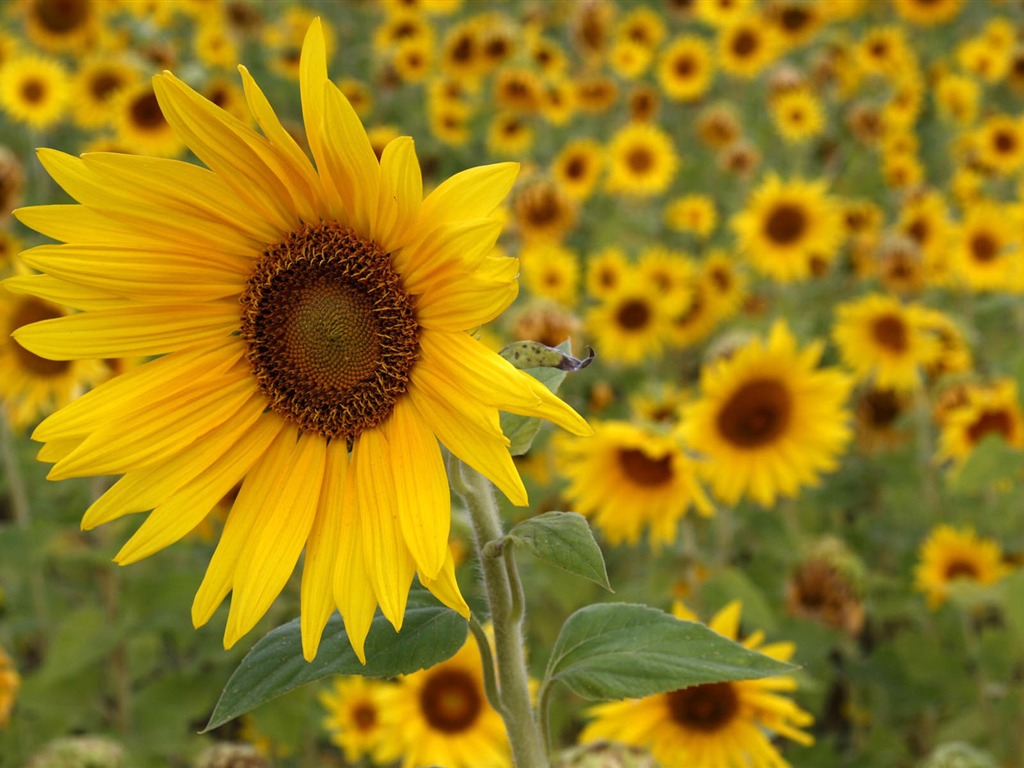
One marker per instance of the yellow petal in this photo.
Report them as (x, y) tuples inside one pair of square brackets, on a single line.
[(445, 587), (421, 488), (179, 514), (401, 193), (353, 166), (147, 488), (278, 536), (317, 593), (471, 194), (267, 473), (352, 589), (475, 445), (230, 148), (388, 563), (62, 292), (129, 332), (446, 254), (472, 300), (312, 84)]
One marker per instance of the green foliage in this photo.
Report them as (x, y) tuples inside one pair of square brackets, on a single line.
[(564, 540)]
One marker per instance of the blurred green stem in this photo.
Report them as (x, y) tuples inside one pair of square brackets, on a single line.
[(22, 511), (504, 598)]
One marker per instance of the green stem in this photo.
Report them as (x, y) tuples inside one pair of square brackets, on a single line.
[(501, 581), (487, 660)]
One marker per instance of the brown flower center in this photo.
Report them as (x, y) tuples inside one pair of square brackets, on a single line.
[(891, 332), (61, 16), (332, 334), (786, 224), (998, 422), (104, 84), (706, 708), (1005, 143), (757, 414), (745, 43), (643, 470), (633, 315), (364, 715), (640, 160), (984, 247), (32, 311), (146, 114), (684, 65), (33, 91), (957, 569), (450, 701)]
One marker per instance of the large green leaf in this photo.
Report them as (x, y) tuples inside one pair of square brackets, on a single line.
[(563, 539), (430, 634), (619, 650)]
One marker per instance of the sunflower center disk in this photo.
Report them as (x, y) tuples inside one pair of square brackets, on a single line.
[(644, 470), (450, 701), (705, 707), (785, 225), (756, 414), (332, 335)]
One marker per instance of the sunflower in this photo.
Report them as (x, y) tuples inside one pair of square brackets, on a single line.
[(10, 682), (544, 211), (769, 421), (517, 90), (692, 213), (312, 332), (644, 26), (61, 26), (630, 324), (357, 720), (225, 94), (551, 271), (885, 341), (788, 224), (927, 13), (713, 724), (718, 126), (558, 101), (957, 98), (595, 93), (670, 275), (443, 716), (747, 47), (924, 218), (879, 414), (96, 85), (797, 115), (642, 161), (999, 143), (449, 124), (413, 60), (34, 90), (685, 68), (12, 183), (720, 13), (725, 281), (990, 409), (462, 55), (629, 59), (796, 22), (986, 252), (950, 555), (606, 271), (693, 323), (33, 386), (629, 478), (577, 167), (954, 354), (826, 586), (509, 135)]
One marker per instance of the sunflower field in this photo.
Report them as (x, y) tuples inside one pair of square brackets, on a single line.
[(724, 298)]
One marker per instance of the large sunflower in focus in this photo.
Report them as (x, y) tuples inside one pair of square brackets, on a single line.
[(768, 420), (714, 724), (311, 332)]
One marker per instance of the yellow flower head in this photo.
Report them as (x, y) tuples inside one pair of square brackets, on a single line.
[(310, 326), (950, 555), (358, 721), (988, 409), (768, 421), (642, 161), (10, 682)]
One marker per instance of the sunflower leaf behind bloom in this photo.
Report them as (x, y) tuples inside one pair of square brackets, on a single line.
[(564, 540), (430, 634), (621, 650)]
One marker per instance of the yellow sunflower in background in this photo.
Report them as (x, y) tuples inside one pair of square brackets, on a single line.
[(60, 26), (925, 219), (629, 325), (694, 322), (927, 13), (10, 683), (885, 341), (768, 421), (443, 716), (34, 386), (787, 225), (642, 161), (96, 85), (544, 212), (509, 135), (999, 143), (34, 90), (577, 167), (714, 724), (141, 124), (686, 68), (357, 720), (987, 409), (551, 271), (986, 252), (692, 213), (606, 271), (726, 283), (628, 478), (747, 47), (797, 115), (311, 327), (950, 555)]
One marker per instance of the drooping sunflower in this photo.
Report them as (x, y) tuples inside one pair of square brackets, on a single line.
[(629, 479), (357, 720), (950, 555), (34, 90), (312, 331), (768, 420), (444, 717), (787, 225), (885, 341), (714, 724), (33, 386), (642, 160), (987, 409)]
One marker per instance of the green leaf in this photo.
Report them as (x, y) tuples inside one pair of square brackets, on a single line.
[(990, 461), (430, 634), (549, 366), (619, 650), (565, 540)]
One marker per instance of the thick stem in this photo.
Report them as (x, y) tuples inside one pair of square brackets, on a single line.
[(500, 583)]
